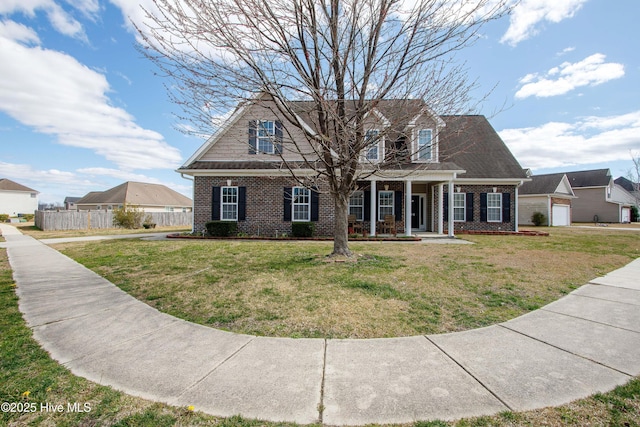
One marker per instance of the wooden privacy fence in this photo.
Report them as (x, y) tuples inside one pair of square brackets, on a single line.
[(85, 220)]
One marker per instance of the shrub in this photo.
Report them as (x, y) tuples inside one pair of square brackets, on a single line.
[(128, 216), (634, 214), (4, 217), (221, 228), (28, 217), (538, 219), (303, 229)]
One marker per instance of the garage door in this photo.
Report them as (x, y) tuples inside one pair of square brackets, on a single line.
[(560, 215), (626, 215)]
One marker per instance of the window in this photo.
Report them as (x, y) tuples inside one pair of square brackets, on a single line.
[(385, 204), (229, 204), (424, 148), (373, 145), (494, 207), (356, 205), (301, 204), (266, 132), (459, 206)]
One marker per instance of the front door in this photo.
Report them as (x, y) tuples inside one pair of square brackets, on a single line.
[(418, 212)]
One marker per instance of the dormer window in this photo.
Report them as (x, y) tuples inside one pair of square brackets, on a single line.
[(373, 146), (424, 145)]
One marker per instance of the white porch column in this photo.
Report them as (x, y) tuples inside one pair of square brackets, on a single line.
[(440, 207), (374, 217), (450, 219), (407, 207)]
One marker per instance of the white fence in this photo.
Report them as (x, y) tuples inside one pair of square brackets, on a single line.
[(85, 220)]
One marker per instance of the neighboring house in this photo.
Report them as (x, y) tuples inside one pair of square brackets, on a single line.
[(16, 198), (549, 194), (70, 203), (460, 170), (148, 197), (599, 199), (631, 187)]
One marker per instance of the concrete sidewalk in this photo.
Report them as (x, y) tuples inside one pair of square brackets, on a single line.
[(584, 343)]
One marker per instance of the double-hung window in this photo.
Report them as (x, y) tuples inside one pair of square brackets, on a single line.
[(459, 205), (425, 145), (301, 204), (494, 207), (266, 135), (372, 143), (229, 203), (356, 205), (385, 204)]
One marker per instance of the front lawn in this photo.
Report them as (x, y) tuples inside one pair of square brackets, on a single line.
[(393, 289)]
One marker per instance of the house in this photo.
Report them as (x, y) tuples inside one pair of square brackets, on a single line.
[(549, 194), (70, 203), (631, 187), (17, 199), (444, 173), (148, 197), (599, 198)]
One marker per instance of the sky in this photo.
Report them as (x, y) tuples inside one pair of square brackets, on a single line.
[(82, 110)]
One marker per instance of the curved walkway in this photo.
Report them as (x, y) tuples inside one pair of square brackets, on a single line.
[(584, 343)]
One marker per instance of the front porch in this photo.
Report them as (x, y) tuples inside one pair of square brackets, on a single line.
[(395, 200)]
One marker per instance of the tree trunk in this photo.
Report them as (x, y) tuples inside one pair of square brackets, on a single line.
[(341, 227)]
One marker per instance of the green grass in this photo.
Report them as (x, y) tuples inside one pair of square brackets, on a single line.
[(25, 367), (392, 289)]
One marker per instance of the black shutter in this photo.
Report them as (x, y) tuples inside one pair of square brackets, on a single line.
[(278, 140), (287, 204), (506, 207), (483, 207), (315, 205), (252, 136), (215, 204), (469, 207), (397, 205), (242, 203), (367, 204), (445, 206)]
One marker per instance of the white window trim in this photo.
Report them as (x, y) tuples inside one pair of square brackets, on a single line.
[(270, 138), (380, 146), (294, 204), (362, 205), (223, 204), (415, 156), (463, 207), (381, 217), (493, 207)]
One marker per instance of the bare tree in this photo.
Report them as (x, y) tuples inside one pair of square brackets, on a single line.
[(341, 57)]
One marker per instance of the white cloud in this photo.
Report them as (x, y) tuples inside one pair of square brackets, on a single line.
[(53, 93), (62, 21), (591, 71), (587, 141), (529, 14), (118, 174), (21, 33)]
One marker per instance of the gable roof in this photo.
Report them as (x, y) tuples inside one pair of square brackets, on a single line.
[(8, 185), (545, 184), (466, 142), (136, 193), (590, 178), (471, 143), (627, 184)]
